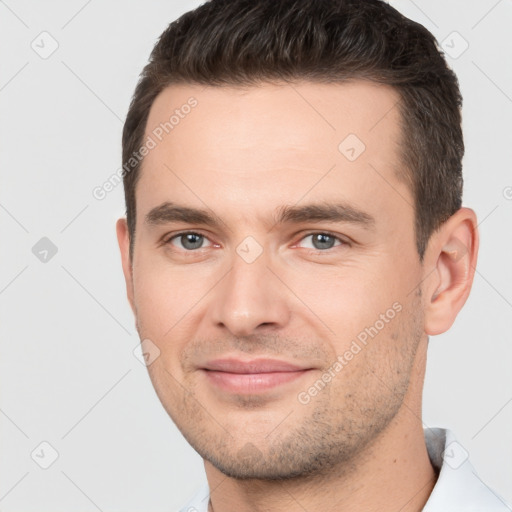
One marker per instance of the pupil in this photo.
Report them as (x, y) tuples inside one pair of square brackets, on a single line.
[(191, 241), (323, 241)]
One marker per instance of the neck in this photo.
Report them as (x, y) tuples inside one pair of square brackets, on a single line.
[(392, 473)]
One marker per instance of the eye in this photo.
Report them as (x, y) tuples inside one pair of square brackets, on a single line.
[(321, 241), (187, 240)]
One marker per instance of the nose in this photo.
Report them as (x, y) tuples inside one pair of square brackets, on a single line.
[(250, 298)]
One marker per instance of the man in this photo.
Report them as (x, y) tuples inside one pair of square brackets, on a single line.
[(294, 235)]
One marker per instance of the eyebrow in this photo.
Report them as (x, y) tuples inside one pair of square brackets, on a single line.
[(289, 214)]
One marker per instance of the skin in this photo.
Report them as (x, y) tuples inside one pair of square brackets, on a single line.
[(241, 154)]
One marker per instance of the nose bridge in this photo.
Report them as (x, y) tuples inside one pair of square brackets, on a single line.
[(250, 295)]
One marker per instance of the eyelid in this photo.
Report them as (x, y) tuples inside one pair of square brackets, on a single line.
[(167, 239), (343, 241)]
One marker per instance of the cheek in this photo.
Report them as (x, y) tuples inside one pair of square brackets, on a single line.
[(347, 300), (165, 298)]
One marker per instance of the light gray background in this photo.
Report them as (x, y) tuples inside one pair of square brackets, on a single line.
[(68, 373)]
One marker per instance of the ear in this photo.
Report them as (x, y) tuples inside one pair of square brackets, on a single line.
[(452, 254), (123, 239)]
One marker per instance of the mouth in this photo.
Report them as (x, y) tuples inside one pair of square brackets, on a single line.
[(251, 377)]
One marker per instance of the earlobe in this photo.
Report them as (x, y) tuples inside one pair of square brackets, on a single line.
[(123, 239), (453, 251)]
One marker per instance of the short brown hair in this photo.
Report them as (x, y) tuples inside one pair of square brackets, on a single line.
[(247, 42)]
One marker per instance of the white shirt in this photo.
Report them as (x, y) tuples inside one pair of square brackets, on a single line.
[(458, 487)]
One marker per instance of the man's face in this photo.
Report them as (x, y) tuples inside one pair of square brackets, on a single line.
[(287, 336)]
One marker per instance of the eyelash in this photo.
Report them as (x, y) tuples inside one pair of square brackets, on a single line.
[(328, 233)]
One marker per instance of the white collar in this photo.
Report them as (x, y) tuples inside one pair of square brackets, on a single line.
[(458, 487)]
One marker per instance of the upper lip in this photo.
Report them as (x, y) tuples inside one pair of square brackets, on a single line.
[(229, 365)]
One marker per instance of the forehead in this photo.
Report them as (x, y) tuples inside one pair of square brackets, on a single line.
[(304, 115), (274, 140)]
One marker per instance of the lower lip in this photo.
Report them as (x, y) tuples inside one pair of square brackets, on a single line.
[(251, 382)]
